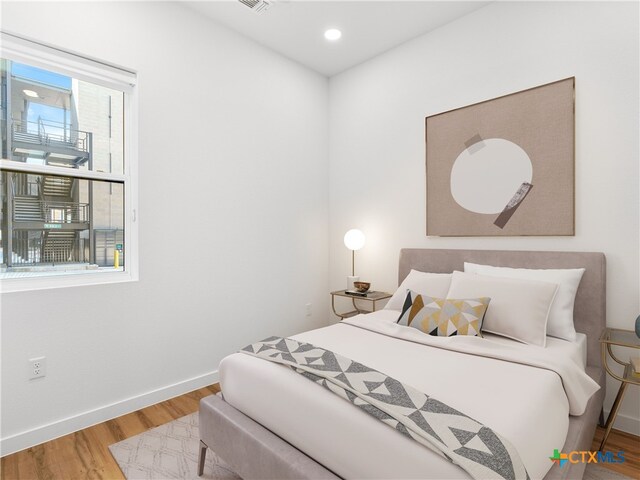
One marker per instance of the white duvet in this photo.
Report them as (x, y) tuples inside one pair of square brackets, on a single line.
[(528, 405)]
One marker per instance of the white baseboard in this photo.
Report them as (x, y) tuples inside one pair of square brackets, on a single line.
[(44, 433), (625, 423)]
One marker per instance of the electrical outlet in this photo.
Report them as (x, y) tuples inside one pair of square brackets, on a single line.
[(37, 367), (308, 309)]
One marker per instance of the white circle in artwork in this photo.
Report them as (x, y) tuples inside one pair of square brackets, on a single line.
[(487, 175)]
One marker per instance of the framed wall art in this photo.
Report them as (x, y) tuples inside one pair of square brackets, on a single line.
[(504, 167)]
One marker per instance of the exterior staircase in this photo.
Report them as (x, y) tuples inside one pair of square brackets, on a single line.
[(27, 209), (39, 237), (58, 246), (59, 187)]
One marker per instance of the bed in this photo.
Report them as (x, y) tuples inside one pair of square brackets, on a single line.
[(277, 437)]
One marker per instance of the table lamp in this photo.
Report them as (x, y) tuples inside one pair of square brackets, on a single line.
[(353, 240)]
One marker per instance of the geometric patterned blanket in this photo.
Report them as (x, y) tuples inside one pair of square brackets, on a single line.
[(481, 452)]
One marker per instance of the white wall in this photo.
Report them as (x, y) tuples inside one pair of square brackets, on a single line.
[(377, 153), (233, 221), (111, 349)]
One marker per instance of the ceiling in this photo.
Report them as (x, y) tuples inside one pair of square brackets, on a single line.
[(295, 28)]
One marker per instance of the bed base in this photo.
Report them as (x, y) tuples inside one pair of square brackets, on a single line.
[(252, 451), (255, 452)]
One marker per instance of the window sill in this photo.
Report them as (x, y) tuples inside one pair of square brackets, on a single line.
[(22, 282)]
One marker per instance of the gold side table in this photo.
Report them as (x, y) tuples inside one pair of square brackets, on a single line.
[(372, 298), (621, 338)]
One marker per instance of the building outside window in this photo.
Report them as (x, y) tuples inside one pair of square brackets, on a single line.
[(66, 180)]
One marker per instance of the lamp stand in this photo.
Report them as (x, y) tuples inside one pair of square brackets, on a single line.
[(353, 263), (353, 277)]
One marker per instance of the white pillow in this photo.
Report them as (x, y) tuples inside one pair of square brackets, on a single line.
[(432, 284), (560, 322), (519, 309)]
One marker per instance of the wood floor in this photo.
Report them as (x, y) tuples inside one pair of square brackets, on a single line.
[(621, 442), (85, 454)]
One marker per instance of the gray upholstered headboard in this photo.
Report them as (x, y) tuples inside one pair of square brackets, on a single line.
[(591, 300)]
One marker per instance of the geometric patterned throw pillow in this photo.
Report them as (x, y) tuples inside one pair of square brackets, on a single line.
[(444, 317)]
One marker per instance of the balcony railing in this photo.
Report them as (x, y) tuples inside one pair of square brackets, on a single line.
[(29, 209), (50, 133), (27, 248)]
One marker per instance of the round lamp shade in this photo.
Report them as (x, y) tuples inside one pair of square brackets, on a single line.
[(354, 239)]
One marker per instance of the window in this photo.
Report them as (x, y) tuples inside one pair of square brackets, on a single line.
[(68, 169)]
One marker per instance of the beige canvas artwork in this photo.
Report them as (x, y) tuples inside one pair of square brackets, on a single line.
[(503, 167)]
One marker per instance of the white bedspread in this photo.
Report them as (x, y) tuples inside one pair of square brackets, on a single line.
[(578, 386), (527, 405)]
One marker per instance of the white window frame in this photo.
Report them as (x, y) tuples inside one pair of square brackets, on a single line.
[(19, 49)]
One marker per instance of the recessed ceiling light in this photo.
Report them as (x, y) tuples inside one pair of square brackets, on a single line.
[(31, 93), (332, 34)]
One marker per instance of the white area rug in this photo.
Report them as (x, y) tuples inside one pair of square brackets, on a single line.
[(171, 451), (168, 451)]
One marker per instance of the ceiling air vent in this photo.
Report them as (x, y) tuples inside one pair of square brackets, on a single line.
[(258, 6)]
